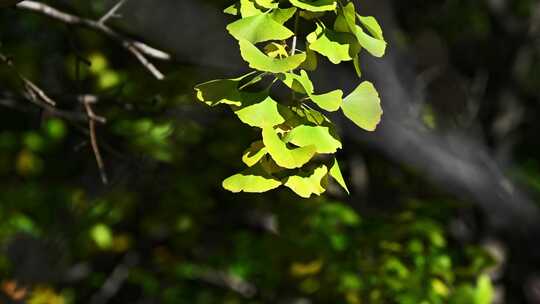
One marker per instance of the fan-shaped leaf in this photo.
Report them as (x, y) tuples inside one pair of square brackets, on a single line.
[(374, 46), (309, 185), (317, 136), (329, 44), (259, 28), (330, 101), (283, 156), (282, 15), (262, 114), (258, 60), (315, 6), (363, 106), (250, 181), (220, 91)]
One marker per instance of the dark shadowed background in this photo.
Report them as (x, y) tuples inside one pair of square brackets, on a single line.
[(444, 203)]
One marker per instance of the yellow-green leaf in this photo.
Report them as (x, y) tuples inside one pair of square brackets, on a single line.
[(259, 61), (283, 156), (335, 172), (254, 154), (363, 106), (330, 101), (250, 181), (258, 28), (308, 185), (262, 114), (315, 6), (317, 136)]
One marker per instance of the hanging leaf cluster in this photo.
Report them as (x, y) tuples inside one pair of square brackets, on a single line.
[(298, 142)]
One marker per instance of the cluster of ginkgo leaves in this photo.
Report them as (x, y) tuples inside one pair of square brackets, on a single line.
[(299, 142)]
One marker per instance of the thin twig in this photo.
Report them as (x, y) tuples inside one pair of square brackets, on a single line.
[(92, 119), (112, 12), (138, 49)]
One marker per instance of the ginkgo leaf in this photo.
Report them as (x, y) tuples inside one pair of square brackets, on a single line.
[(259, 61), (363, 106), (335, 172), (311, 62), (254, 154), (327, 43), (315, 6), (372, 25), (258, 28), (248, 8), (283, 156), (270, 4), (330, 101), (309, 185), (374, 46), (275, 50), (251, 181), (317, 136), (262, 114), (221, 91), (300, 83), (282, 15), (346, 19), (233, 9)]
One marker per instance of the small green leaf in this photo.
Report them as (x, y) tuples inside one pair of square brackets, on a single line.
[(317, 136), (363, 106), (374, 46), (259, 61), (248, 8), (335, 172), (329, 44), (259, 28), (262, 114), (315, 6), (373, 26), (308, 185), (254, 154), (221, 91), (283, 156), (330, 101), (484, 291), (300, 83), (233, 9), (269, 4), (311, 62), (250, 181), (282, 15)]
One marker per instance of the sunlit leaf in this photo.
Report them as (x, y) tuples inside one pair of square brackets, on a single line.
[(220, 91), (282, 15), (258, 28), (254, 154), (335, 172), (329, 44), (306, 186), (262, 114), (363, 106), (258, 60), (282, 155), (330, 101), (317, 136), (251, 181), (315, 6)]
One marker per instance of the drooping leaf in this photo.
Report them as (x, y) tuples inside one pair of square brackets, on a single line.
[(315, 6), (282, 155), (329, 44), (300, 83), (311, 62), (258, 28), (346, 19), (282, 15), (261, 114), (275, 50), (233, 9), (335, 172), (259, 61), (373, 26), (363, 106), (254, 154), (374, 46), (317, 136), (330, 101), (308, 185), (251, 181), (221, 91)]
